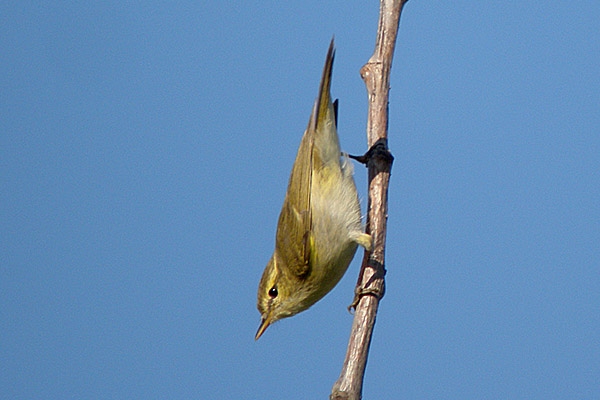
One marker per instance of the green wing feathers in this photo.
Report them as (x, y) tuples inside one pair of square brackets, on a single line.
[(294, 241)]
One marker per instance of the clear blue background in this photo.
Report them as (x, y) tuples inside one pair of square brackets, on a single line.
[(144, 153)]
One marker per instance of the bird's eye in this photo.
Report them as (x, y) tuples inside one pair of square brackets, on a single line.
[(273, 292)]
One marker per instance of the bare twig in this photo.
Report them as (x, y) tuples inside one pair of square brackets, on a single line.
[(371, 285)]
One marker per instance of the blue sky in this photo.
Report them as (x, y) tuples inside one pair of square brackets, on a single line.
[(144, 154)]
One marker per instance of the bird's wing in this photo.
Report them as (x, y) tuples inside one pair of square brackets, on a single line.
[(294, 241)]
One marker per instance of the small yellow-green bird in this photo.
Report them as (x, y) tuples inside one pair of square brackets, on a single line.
[(319, 225)]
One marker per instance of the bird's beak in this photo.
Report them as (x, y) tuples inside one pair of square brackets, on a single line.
[(264, 324)]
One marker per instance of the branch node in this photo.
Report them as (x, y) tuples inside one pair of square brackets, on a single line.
[(377, 291)]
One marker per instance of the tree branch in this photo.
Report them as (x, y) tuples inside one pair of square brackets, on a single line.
[(371, 284)]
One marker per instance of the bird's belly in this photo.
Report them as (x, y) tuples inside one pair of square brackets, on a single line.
[(335, 216)]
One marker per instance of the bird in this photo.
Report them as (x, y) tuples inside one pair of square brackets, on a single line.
[(320, 226)]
